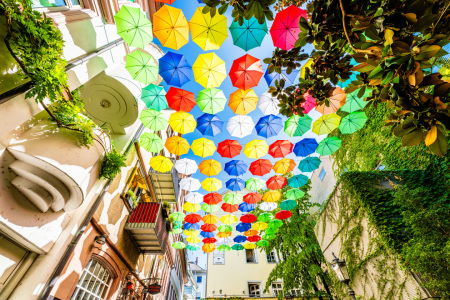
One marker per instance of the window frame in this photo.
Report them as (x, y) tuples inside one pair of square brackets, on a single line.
[(276, 291), (321, 177), (201, 279), (274, 256), (66, 7), (255, 255), (259, 283)]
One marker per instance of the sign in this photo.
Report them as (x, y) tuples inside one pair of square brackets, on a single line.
[(154, 289)]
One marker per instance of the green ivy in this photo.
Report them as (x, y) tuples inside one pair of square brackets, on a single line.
[(112, 162)]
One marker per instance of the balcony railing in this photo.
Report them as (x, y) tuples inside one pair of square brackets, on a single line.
[(165, 185)]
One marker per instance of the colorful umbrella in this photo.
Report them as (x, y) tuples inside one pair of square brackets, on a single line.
[(255, 184), (208, 247), (210, 219), (237, 247), (208, 32), (210, 208), (254, 238), (288, 204), (269, 105), (256, 149), (208, 237), (186, 166), (251, 232), (309, 164), (133, 26), (240, 239), (192, 247), (225, 228), (180, 99), (209, 124), (262, 243), (305, 147), (171, 27), (177, 216), (272, 196), (326, 124), (249, 246), (309, 104), (285, 28), (182, 122), (190, 184), (211, 100), (209, 70), (336, 101), (294, 194), (224, 248), (211, 184), (329, 145), (246, 207), (223, 236), (246, 72), (280, 148), (249, 35), (289, 79), (193, 239), (210, 167), (235, 168), (259, 226), (235, 184), (229, 148), (252, 198), (284, 166), (233, 198), (174, 69), (166, 1), (275, 224), (283, 214), (193, 218), (248, 218), (276, 182), (243, 227), (203, 147), (298, 181), (353, 122), (177, 145), (154, 97), (151, 142), (153, 120), (269, 237), (194, 197), (142, 67), (240, 126), (269, 126), (260, 167), (272, 230), (212, 198), (297, 126), (228, 219), (243, 101), (178, 245), (265, 217), (191, 207), (230, 208), (161, 164)]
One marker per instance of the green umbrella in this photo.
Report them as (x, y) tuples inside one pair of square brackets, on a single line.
[(133, 26), (255, 184), (224, 248), (353, 122), (154, 97), (237, 247), (275, 223), (142, 67), (233, 198), (329, 145), (192, 247), (176, 231), (177, 216), (288, 204), (153, 120), (294, 194), (309, 164), (262, 243), (298, 181), (225, 228), (297, 126), (271, 230), (265, 217), (177, 224), (178, 245), (151, 142), (210, 208), (268, 237), (355, 103), (211, 100)]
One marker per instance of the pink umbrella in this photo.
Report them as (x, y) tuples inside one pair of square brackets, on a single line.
[(285, 28), (309, 103)]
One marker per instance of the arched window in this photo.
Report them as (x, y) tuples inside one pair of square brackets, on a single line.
[(95, 282)]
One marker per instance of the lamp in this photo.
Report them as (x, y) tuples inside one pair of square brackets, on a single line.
[(129, 285), (100, 239), (340, 268)]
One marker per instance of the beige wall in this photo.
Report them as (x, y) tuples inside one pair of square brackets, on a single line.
[(321, 189)]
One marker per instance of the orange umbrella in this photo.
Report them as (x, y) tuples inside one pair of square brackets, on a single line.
[(208, 247), (224, 234), (243, 101), (210, 167), (272, 196), (336, 101), (210, 219), (177, 145), (251, 232), (284, 166)]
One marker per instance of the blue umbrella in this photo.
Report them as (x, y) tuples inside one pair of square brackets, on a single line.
[(174, 69), (298, 181), (289, 79), (243, 227), (194, 226), (235, 184), (249, 35), (247, 207), (305, 147), (269, 126), (240, 239), (309, 164), (235, 167), (206, 234), (209, 124)]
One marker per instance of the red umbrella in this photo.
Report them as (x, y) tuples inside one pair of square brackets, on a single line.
[(179, 99), (254, 238), (276, 182), (260, 167), (283, 214), (252, 198), (229, 148), (248, 218), (208, 227), (231, 208), (280, 148), (246, 72), (309, 104), (193, 218), (209, 240), (166, 1), (285, 28), (212, 198)]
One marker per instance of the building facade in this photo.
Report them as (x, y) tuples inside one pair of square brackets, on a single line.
[(200, 279)]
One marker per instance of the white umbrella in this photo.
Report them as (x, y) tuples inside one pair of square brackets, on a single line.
[(224, 241), (190, 184), (268, 206), (186, 166), (240, 126), (268, 104), (194, 197)]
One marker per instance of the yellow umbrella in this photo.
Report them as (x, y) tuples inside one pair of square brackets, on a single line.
[(229, 219), (210, 167), (171, 27), (256, 149), (249, 246), (177, 145), (259, 226), (284, 166), (208, 247), (191, 207), (243, 101), (209, 70), (251, 232), (272, 196), (203, 147), (326, 124), (182, 122), (224, 234), (210, 219), (191, 232), (211, 184), (209, 33), (193, 240), (161, 164)]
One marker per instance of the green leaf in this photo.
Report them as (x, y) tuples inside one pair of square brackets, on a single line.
[(376, 73), (413, 138), (223, 8), (439, 147), (379, 12), (387, 78), (427, 52)]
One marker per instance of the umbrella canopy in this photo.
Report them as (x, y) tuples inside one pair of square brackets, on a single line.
[(329, 145), (235, 184), (284, 166), (289, 79), (203, 147), (268, 105), (174, 69), (151, 142), (186, 166), (230, 208), (272, 230), (171, 27), (259, 225), (211, 100), (252, 198), (177, 216), (246, 72), (191, 226), (154, 97), (210, 219), (248, 218), (210, 208), (326, 124), (210, 167), (209, 124), (353, 122), (208, 237), (269, 126), (190, 184), (294, 194), (243, 101), (212, 198), (298, 181), (249, 35), (193, 218), (309, 104), (280, 148), (240, 239), (208, 247), (209, 70), (285, 28), (251, 232), (233, 198), (178, 245), (211, 184), (337, 99), (237, 247), (235, 168), (288, 204), (255, 184), (161, 164), (153, 119), (133, 26), (297, 126), (240, 126), (182, 122), (309, 164), (261, 243), (194, 197), (275, 224), (249, 245), (254, 238), (256, 149), (272, 196), (225, 228), (269, 237), (355, 103), (180, 99), (265, 217), (177, 145), (243, 227), (276, 182), (229, 148), (260, 167), (228, 219), (224, 248), (166, 1), (223, 236), (283, 214), (305, 147), (193, 239), (191, 207), (208, 32), (142, 67), (246, 207), (192, 247)]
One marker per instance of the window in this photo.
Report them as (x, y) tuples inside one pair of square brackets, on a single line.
[(136, 189), (322, 174), (199, 279), (54, 3), (94, 283), (218, 258), (254, 289), (250, 256), (277, 288), (271, 257), (198, 296)]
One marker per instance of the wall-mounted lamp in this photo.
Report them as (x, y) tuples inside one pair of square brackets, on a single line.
[(129, 285), (220, 292), (100, 239)]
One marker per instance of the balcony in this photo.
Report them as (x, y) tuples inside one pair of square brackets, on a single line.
[(165, 185)]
